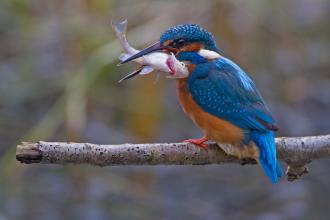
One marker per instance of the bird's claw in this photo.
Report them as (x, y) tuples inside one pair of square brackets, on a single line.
[(200, 142)]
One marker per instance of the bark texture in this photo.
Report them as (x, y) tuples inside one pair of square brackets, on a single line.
[(295, 151)]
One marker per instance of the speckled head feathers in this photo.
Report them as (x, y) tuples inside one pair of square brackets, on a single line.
[(190, 33)]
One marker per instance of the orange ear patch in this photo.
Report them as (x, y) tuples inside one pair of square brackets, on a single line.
[(168, 42), (192, 47)]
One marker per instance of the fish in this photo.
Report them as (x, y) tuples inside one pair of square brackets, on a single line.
[(159, 61)]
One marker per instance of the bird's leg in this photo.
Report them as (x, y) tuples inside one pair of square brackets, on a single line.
[(200, 142)]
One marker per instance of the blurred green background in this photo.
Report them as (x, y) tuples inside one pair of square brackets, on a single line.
[(58, 81)]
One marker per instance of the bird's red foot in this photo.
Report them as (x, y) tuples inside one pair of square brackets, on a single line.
[(200, 142)]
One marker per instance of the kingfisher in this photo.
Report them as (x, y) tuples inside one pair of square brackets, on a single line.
[(220, 98)]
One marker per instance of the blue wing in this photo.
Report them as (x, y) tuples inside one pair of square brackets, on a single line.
[(222, 89)]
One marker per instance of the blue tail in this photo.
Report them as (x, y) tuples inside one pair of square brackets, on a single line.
[(267, 147)]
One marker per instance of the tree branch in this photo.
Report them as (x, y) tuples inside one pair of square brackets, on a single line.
[(295, 151)]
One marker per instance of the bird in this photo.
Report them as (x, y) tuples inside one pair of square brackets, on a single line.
[(220, 97)]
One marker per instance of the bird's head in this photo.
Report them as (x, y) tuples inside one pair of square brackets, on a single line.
[(183, 38), (188, 37)]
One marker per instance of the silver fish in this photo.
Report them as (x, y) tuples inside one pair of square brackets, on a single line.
[(159, 61)]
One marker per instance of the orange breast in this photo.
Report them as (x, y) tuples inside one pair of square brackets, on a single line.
[(215, 128)]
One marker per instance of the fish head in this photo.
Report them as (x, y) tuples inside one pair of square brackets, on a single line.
[(177, 69)]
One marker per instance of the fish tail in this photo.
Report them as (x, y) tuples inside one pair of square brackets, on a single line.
[(120, 28), (267, 158)]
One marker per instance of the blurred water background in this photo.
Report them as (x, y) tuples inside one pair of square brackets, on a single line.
[(58, 81)]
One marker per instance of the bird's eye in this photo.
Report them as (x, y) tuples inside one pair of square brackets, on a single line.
[(179, 43)]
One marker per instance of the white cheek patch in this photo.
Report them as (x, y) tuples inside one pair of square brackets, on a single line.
[(208, 54)]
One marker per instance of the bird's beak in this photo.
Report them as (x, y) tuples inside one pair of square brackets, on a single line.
[(154, 47), (131, 75)]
